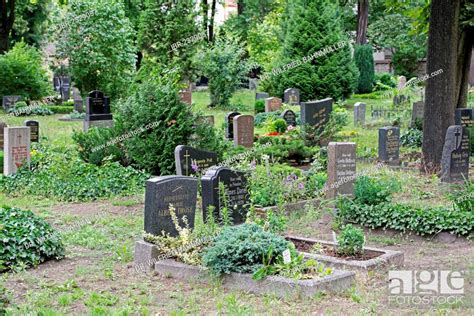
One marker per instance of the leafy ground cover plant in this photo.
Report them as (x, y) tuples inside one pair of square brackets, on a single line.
[(26, 240), (350, 241), (22, 109), (60, 174)]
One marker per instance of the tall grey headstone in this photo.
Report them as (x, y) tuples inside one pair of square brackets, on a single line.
[(161, 192), (2, 134), (455, 158), (16, 149), (341, 169), (359, 113), (417, 111)]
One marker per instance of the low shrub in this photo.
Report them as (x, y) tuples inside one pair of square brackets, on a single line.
[(22, 109), (420, 220), (242, 249), (60, 109), (263, 117), (350, 241), (26, 240), (412, 138), (463, 199), (278, 125), (94, 146), (60, 174), (373, 191), (259, 106), (386, 79)]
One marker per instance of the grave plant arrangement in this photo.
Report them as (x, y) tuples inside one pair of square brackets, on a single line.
[(350, 241), (26, 240)]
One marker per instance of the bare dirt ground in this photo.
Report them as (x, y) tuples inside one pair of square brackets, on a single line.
[(97, 275)]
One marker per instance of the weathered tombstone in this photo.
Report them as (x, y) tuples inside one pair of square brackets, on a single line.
[(65, 88), (289, 116), (206, 120), (78, 103), (261, 95), (465, 118), (341, 169), (253, 82), (402, 81), (316, 113), (2, 134), (191, 161), (235, 191), (34, 130), (10, 100), (417, 111), (292, 96), (97, 110), (56, 83), (186, 95), (455, 158), (359, 113), (161, 192), (229, 118), (17, 149), (272, 104), (389, 145), (243, 130)]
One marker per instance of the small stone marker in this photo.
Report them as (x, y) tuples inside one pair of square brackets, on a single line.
[(34, 130), (341, 169), (9, 101), (316, 113), (229, 118), (359, 113), (417, 111), (2, 134), (272, 104), (292, 96), (389, 145), (206, 120), (402, 81), (78, 103), (455, 159), (253, 82), (243, 130), (190, 160), (465, 118), (179, 191), (236, 192), (17, 149), (261, 95), (289, 116), (97, 110), (186, 95)]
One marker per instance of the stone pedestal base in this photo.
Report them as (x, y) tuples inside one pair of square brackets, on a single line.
[(145, 256)]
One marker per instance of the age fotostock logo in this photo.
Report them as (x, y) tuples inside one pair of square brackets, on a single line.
[(426, 287)]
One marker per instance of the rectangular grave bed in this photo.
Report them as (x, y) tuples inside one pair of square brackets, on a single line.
[(282, 287), (372, 259), (289, 207)]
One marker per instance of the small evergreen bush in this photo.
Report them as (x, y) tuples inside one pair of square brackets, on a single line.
[(372, 191), (350, 241), (259, 106), (364, 60)]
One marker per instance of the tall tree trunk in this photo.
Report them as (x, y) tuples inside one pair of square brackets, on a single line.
[(440, 91), (240, 7), (7, 18), (466, 42), (362, 20), (205, 15), (211, 22)]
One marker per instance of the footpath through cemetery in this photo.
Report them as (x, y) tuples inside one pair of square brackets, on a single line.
[(236, 158)]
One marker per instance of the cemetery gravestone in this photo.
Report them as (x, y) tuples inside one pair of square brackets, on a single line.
[(97, 110), (402, 81), (229, 131), (316, 113), (76, 96), (261, 95), (206, 120), (359, 113), (272, 104), (243, 130), (56, 83), (253, 82), (417, 111), (190, 160), (34, 130), (16, 150), (235, 191), (186, 95), (389, 145), (465, 118), (292, 96), (10, 100), (161, 192), (341, 169), (455, 158), (396, 100), (2, 134), (289, 116), (65, 88)]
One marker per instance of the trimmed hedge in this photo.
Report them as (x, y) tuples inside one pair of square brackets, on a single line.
[(60, 109)]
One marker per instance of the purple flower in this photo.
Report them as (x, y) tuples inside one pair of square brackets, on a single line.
[(301, 185), (253, 164), (194, 166)]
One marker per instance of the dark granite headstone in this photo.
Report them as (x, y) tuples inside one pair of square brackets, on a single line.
[(65, 88), (465, 118), (56, 83), (97, 107), (359, 113), (389, 145), (78, 105), (2, 134), (229, 118), (191, 161), (455, 159), (289, 116), (10, 100), (236, 192), (243, 130), (261, 95), (292, 96), (34, 130), (316, 113), (179, 191)]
